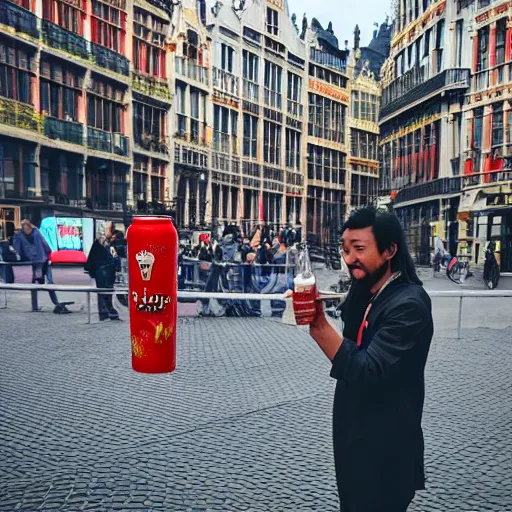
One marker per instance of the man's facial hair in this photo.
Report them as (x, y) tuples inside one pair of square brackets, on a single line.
[(372, 279)]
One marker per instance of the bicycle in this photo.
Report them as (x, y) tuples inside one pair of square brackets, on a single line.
[(491, 268)]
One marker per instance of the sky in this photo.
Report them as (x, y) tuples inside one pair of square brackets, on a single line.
[(344, 14)]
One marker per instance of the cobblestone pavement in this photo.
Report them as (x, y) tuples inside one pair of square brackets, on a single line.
[(244, 424)]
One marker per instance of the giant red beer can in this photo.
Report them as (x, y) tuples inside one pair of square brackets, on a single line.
[(153, 293)]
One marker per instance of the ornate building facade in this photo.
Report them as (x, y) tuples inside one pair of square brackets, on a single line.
[(424, 82), (445, 126), (85, 99), (225, 113), (364, 131)]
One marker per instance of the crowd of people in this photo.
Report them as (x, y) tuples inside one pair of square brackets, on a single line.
[(262, 262)]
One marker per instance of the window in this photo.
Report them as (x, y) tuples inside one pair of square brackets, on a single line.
[(194, 115), (15, 73), (103, 112), (149, 127), (365, 106), (364, 144), (497, 125), (440, 44), (292, 149), (273, 76), (326, 118), (272, 21), (250, 70), (477, 128), (501, 36), (426, 47), (140, 186), (227, 58), (483, 49), (65, 15), (108, 25), (459, 32), (326, 165), (271, 143), (148, 59), (60, 90), (181, 118), (294, 94), (250, 66), (225, 125), (250, 136)]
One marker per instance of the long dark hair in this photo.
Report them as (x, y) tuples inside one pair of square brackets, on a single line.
[(387, 231)]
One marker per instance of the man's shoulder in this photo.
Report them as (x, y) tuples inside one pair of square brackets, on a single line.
[(410, 293)]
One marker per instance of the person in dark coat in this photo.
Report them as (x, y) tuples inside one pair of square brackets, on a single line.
[(379, 367), (102, 265), (31, 246), (8, 255)]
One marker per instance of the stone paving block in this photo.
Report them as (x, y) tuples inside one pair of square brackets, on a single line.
[(244, 424)]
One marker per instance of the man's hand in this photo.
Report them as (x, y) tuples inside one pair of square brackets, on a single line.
[(323, 333)]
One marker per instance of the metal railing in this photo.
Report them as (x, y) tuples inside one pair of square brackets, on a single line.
[(190, 69), (110, 59), (67, 131), (417, 83), (21, 115), (106, 141), (58, 37), (20, 19), (430, 188), (328, 60), (225, 81), (499, 176), (150, 85), (201, 295)]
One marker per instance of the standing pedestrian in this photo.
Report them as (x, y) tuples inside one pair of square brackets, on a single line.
[(8, 255), (379, 366), (31, 246), (102, 265)]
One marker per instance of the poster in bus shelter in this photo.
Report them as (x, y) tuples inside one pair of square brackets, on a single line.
[(69, 233)]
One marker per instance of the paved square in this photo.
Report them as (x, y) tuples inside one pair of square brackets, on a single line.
[(244, 424)]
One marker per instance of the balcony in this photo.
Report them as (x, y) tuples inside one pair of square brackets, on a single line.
[(150, 85), (109, 59), (151, 143), (487, 178), (329, 60), (415, 86), (190, 69), (67, 131), (108, 142), (225, 81), (251, 91), (21, 115), (439, 187), (58, 37), (18, 18)]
